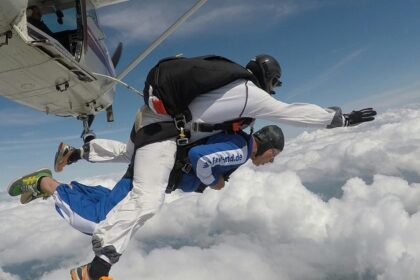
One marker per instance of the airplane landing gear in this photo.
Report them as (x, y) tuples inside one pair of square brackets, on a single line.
[(87, 133)]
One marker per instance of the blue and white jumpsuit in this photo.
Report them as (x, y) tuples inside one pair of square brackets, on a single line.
[(153, 162), (85, 206)]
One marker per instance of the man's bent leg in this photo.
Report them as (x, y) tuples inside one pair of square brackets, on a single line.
[(97, 150), (106, 150), (152, 166)]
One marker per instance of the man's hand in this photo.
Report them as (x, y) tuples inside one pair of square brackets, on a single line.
[(357, 117), (219, 185)]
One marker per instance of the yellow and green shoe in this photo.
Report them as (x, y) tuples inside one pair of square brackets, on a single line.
[(27, 186)]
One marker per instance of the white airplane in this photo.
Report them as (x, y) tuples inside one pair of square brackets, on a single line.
[(60, 64)]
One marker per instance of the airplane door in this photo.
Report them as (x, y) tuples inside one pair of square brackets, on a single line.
[(96, 52)]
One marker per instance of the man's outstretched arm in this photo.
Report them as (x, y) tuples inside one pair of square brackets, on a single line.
[(260, 105)]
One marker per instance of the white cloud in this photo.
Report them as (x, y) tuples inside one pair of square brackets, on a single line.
[(268, 223), (7, 276), (387, 146), (239, 13), (138, 23), (144, 21)]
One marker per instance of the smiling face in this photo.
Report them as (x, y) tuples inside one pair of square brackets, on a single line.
[(266, 157)]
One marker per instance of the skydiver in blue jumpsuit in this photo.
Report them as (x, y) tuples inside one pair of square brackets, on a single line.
[(211, 163)]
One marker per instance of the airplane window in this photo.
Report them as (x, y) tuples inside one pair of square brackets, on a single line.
[(69, 21)]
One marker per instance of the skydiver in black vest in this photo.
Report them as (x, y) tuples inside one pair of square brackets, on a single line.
[(152, 163)]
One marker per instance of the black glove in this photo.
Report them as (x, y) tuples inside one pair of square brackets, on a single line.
[(357, 117)]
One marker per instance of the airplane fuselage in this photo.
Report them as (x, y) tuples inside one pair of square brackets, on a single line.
[(51, 69), (9, 12)]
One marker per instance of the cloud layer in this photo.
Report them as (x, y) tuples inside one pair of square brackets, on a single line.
[(139, 20), (336, 204)]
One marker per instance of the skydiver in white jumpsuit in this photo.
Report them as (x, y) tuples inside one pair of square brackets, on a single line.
[(153, 163)]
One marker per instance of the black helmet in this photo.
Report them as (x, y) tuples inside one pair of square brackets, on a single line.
[(267, 70), (268, 137)]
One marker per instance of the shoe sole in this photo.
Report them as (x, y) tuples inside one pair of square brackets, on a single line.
[(59, 160), (26, 197), (75, 276), (14, 184)]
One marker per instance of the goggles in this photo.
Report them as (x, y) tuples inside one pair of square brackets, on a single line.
[(275, 82)]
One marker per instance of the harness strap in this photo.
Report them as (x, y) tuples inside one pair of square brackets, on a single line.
[(160, 131), (154, 132), (183, 165), (149, 134), (232, 126), (180, 121)]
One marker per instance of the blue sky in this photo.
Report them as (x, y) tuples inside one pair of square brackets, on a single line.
[(353, 54)]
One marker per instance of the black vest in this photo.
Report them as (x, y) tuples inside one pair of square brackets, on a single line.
[(176, 81)]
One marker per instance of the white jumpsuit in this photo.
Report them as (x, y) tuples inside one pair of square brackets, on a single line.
[(153, 162)]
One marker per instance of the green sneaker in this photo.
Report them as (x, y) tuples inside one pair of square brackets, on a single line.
[(27, 186)]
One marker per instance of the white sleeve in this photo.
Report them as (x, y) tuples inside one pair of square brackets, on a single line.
[(204, 171), (261, 105)]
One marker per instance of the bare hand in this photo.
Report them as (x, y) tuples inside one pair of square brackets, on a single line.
[(219, 185)]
